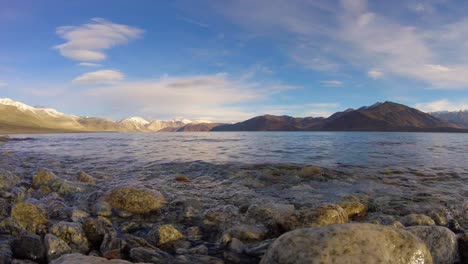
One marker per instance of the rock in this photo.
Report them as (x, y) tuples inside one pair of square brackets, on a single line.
[(43, 178), (5, 251), (199, 250), (55, 247), (112, 247), (86, 178), (165, 234), (441, 242), (182, 178), (69, 189), (202, 259), (245, 233), (148, 255), (417, 220), (455, 226), (11, 227), (262, 213), (102, 208), (57, 210), (29, 216), (329, 214), (348, 243), (8, 180), (310, 172), (135, 200), (73, 234), (353, 207), (78, 215), (193, 233), (29, 247), (80, 259), (4, 208), (96, 229), (463, 248)]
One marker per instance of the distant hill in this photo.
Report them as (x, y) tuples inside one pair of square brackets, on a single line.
[(386, 116), (16, 117), (459, 117)]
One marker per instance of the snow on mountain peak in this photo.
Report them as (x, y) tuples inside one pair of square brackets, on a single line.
[(20, 106), (137, 120)]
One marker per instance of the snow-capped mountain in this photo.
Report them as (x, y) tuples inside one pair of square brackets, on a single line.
[(460, 117), (16, 116)]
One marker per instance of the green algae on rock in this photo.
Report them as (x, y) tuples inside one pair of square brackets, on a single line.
[(73, 234), (165, 234), (348, 243), (43, 178), (29, 216), (135, 200), (417, 220), (55, 247)]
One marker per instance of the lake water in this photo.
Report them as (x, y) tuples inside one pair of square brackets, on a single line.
[(372, 150)]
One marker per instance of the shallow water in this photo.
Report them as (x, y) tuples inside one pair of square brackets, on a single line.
[(401, 172)]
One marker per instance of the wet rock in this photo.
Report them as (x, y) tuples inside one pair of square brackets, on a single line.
[(69, 189), (112, 247), (199, 250), (102, 208), (262, 213), (189, 259), (135, 200), (57, 210), (80, 259), (5, 250), (96, 229), (11, 227), (245, 233), (182, 178), (185, 210), (7, 180), (348, 243), (259, 249), (417, 220), (329, 214), (30, 217), (219, 219), (455, 226), (353, 207), (4, 208), (150, 255), (55, 247), (193, 233), (310, 172), (29, 247), (165, 234), (78, 215), (441, 242), (73, 234), (86, 178), (43, 178), (463, 248)]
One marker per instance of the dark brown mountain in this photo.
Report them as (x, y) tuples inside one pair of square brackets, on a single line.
[(386, 116), (459, 117), (274, 123), (200, 127)]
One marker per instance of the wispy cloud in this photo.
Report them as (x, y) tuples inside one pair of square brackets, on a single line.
[(442, 105), (375, 74), (90, 64), (102, 76), (332, 83), (88, 42)]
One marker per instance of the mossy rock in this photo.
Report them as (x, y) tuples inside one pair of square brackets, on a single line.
[(324, 215), (166, 234), (68, 189), (43, 178), (73, 234), (86, 178), (135, 200), (30, 216), (8, 180), (310, 172), (353, 207)]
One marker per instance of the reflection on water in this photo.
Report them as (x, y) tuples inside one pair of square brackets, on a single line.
[(372, 150)]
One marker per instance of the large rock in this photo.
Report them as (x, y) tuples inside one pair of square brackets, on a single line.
[(43, 178), (440, 241), (29, 247), (80, 259), (55, 247), (417, 220), (348, 243), (135, 200), (30, 216), (7, 180), (328, 214), (73, 234)]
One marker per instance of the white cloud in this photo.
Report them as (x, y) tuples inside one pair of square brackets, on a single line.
[(442, 105), (102, 76), (214, 97), (89, 64), (332, 83), (87, 42), (375, 74)]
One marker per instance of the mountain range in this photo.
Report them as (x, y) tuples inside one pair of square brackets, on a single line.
[(16, 117)]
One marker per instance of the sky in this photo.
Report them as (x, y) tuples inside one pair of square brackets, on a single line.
[(229, 60)]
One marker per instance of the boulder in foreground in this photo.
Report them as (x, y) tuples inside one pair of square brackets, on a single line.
[(348, 243)]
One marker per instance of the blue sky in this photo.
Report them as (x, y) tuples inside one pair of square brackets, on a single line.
[(231, 60)]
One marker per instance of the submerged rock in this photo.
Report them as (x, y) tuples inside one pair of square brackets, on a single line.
[(5, 250), (135, 200), (150, 255), (417, 220), (271, 211), (245, 233), (348, 243), (73, 234), (86, 178), (55, 247), (7, 180), (353, 207), (80, 259), (329, 214), (29, 247), (43, 178), (441, 242), (29, 216)]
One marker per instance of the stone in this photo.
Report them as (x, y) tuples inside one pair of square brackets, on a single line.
[(189, 259), (328, 214), (245, 233), (310, 172), (86, 178), (463, 248), (73, 234), (29, 247), (112, 246), (135, 200), (8, 180), (199, 250), (6, 254), (78, 215), (43, 178), (353, 207), (150, 255), (29, 216), (96, 229), (55, 247), (4, 208), (262, 213), (441, 242), (182, 178), (165, 234), (80, 259), (348, 243), (69, 189), (417, 220), (11, 227), (102, 208)]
